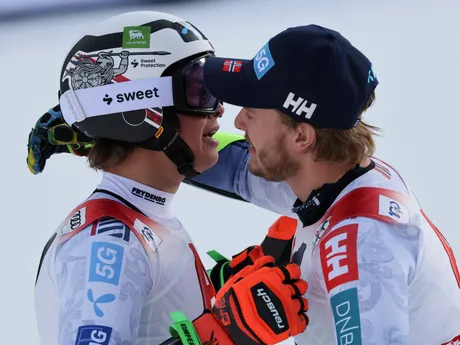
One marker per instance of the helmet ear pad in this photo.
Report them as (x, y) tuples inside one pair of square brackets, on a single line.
[(173, 146), (167, 134)]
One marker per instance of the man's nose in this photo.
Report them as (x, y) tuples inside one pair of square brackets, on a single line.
[(239, 121)]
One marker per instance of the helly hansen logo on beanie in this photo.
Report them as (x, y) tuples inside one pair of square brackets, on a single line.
[(299, 105)]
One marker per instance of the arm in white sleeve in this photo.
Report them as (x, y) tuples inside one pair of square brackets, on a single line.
[(365, 268), (103, 281)]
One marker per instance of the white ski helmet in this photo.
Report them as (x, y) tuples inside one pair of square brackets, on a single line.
[(127, 76)]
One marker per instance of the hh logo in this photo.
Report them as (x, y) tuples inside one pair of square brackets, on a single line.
[(338, 256), (299, 105)]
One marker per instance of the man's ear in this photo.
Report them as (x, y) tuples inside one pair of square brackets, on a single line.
[(305, 136)]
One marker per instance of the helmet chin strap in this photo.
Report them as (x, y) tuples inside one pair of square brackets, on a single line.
[(173, 146), (179, 153)]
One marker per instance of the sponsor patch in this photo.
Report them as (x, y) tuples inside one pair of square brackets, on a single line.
[(345, 308), (338, 256), (232, 66), (148, 196), (150, 237), (93, 335), (106, 262), (263, 61), (269, 307), (393, 209), (103, 299), (136, 37), (75, 221)]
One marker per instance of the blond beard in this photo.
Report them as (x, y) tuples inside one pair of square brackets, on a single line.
[(274, 163)]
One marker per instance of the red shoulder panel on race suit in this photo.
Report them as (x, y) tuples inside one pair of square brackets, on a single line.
[(384, 205), (142, 226)]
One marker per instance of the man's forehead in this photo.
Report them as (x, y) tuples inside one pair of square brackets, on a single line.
[(261, 112), (267, 118)]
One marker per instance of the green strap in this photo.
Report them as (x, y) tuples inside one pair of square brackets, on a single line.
[(226, 138), (216, 256), (183, 328)]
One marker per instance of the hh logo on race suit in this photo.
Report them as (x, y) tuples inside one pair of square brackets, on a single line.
[(338, 256), (339, 263)]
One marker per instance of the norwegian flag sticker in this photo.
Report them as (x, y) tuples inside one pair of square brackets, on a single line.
[(232, 66)]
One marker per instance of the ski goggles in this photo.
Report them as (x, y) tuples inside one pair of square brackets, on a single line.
[(63, 134), (184, 90), (191, 97)]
